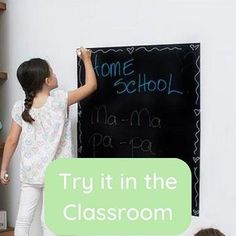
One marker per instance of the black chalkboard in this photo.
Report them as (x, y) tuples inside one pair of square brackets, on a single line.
[(147, 105)]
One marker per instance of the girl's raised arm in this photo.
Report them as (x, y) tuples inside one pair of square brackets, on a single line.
[(90, 79)]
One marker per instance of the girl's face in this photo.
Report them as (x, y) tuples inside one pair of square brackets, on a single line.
[(52, 79)]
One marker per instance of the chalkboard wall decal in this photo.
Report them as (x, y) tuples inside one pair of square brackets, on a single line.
[(147, 105)]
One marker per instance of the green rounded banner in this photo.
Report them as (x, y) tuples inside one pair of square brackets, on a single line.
[(118, 196)]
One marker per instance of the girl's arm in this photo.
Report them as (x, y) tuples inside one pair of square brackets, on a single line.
[(90, 79), (9, 149)]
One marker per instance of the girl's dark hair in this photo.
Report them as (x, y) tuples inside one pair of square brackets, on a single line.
[(31, 75), (209, 232)]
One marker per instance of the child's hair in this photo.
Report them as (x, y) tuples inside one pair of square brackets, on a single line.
[(31, 75), (209, 232)]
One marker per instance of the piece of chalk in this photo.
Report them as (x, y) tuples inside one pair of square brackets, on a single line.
[(79, 50), (6, 176)]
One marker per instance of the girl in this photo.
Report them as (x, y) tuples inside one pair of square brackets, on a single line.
[(42, 120)]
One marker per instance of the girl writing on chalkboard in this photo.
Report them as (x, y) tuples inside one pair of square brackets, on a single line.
[(42, 122)]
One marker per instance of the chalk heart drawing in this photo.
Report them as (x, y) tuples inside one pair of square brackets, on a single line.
[(196, 159), (130, 50), (197, 112), (194, 47), (195, 212)]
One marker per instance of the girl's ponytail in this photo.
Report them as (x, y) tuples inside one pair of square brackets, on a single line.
[(31, 75), (29, 97)]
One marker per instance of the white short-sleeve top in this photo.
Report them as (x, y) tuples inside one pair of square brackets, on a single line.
[(46, 139)]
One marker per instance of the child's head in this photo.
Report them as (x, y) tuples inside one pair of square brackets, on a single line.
[(209, 232), (33, 75)]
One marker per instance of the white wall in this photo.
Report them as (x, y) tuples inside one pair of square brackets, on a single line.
[(53, 29)]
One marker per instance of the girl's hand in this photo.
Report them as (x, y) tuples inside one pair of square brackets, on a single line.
[(4, 177), (84, 54)]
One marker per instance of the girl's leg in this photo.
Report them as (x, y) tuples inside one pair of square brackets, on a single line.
[(29, 199), (46, 231)]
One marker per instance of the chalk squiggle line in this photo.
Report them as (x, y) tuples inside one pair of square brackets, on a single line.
[(196, 135), (106, 51), (195, 78), (162, 49), (195, 187), (80, 110)]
